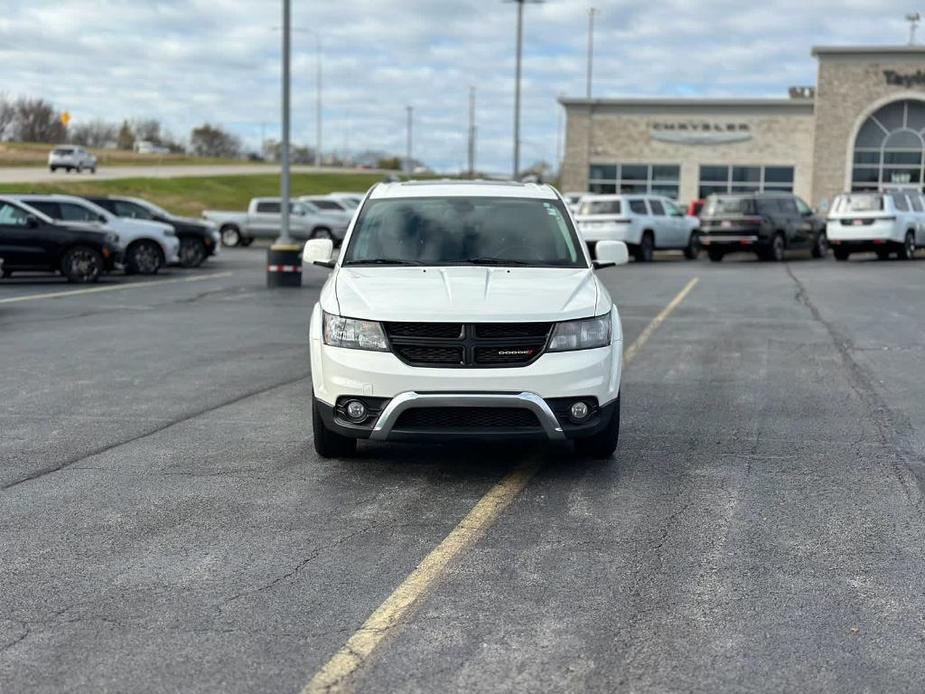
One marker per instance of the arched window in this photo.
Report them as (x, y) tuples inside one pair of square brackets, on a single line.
[(889, 146)]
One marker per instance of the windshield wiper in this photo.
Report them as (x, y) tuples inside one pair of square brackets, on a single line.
[(486, 260), (383, 261)]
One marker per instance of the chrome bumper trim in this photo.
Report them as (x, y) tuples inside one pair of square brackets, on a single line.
[(410, 400)]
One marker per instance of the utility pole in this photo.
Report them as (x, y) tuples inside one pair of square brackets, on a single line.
[(408, 150), (318, 160), (591, 12), (284, 237), (517, 71), (913, 19), (471, 132)]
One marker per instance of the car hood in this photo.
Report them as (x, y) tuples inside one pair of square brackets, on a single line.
[(142, 225), (468, 294)]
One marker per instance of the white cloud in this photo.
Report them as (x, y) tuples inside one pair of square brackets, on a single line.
[(188, 61)]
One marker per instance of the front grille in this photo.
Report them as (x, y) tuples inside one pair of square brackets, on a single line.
[(446, 418), (474, 345)]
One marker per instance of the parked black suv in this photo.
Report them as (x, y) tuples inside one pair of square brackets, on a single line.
[(197, 240), (31, 241), (764, 223)]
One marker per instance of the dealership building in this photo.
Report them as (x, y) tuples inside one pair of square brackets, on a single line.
[(860, 128)]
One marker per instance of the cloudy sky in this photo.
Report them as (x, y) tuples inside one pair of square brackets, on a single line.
[(189, 61)]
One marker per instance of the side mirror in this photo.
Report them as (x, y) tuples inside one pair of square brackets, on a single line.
[(318, 252), (610, 254), (32, 222)]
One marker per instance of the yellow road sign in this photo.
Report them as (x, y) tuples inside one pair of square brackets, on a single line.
[(65, 117)]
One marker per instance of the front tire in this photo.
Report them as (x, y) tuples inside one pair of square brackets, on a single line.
[(144, 258), (231, 236), (602, 445), (329, 444), (192, 252), (692, 251), (908, 250), (81, 265)]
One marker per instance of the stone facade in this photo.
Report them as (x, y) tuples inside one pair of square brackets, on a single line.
[(852, 85), (813, 135)]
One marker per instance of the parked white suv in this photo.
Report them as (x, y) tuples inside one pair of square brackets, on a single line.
[(71, 158), (884, 223), (460, 310), (148, 245), (645, 223)]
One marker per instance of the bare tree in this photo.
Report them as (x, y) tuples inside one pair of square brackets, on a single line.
[(212, 141), (147, 129), (7, 114), (95, 133), (37, 120)]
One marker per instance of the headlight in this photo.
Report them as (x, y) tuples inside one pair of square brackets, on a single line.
[(354, 334), (581, 334)]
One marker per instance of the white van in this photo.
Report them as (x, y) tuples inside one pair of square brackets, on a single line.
[(883, 223), (645, 223)]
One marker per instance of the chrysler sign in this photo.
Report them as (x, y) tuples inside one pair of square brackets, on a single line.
[(699, 132), (898, 79)]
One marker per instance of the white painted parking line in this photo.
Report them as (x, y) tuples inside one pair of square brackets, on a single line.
[(114, 288)]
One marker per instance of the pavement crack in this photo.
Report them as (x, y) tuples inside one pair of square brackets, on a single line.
[(151, 432), (863, 386), (26, 630)]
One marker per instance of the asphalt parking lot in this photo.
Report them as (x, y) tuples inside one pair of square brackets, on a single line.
[(166, 525)]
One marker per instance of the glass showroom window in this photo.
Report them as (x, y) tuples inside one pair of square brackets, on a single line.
[(658, 179), (744, 179), (889, 146)]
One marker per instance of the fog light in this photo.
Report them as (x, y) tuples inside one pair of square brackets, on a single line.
[(355, 410), (579, 411)]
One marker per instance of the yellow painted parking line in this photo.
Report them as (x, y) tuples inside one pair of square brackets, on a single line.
[(114, 288), (337, 673)]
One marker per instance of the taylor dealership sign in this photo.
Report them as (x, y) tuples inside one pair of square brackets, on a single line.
[(699, 132), (898, 79)]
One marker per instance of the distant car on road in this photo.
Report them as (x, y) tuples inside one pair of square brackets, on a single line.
[(264, 219), (31, 241), (198, 239), (71, 158), (148, 245), (884, 223), (645, 223), (767, 224)]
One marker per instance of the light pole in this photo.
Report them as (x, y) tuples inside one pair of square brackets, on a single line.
[(410, 124), (520, 35), (914, 18), (471, 132), (318, 160), (591, 12), (284, 237)]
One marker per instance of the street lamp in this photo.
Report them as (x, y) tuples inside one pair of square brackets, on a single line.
[(520, 33)]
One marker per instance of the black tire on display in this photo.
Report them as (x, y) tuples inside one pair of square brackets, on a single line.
[(821, 246), (144, 258), (192, 252), (231, 236), (715, 254), (692, 250), (841, 253), (329, 444), (82, 265), (602, 445), (908, 250)]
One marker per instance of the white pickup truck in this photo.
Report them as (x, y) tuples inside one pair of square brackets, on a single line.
[(263, 220)]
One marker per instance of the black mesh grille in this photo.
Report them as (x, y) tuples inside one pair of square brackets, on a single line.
[(430, 355), (502, 330), (467, 418), (438, 330), (470, 344)]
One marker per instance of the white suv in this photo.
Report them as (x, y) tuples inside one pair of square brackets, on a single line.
[(465, 309), (645, 223), (71, 158), (884, 223)]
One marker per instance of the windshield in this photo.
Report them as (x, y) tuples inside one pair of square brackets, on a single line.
[(464, 231), (152, 208), (719, 205), (590, 207), (865, 202)]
